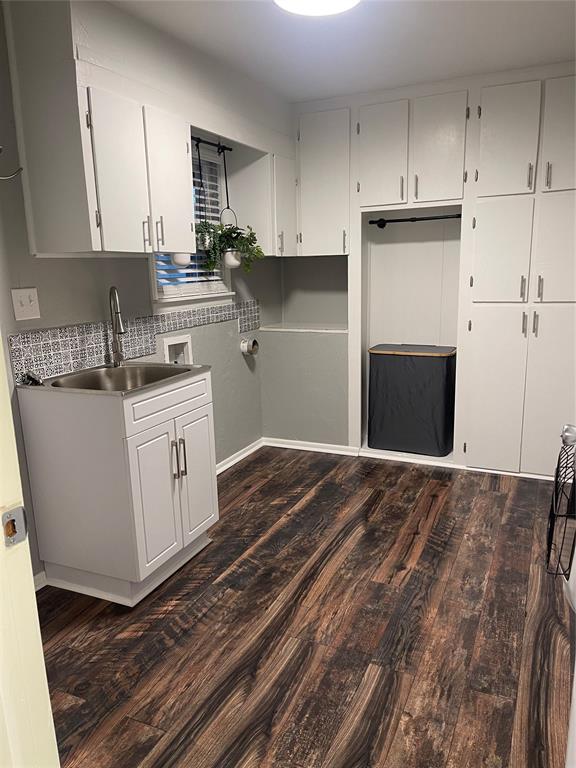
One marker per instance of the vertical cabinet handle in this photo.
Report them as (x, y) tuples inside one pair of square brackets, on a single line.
[(160, 231), (281, 242), (416, 186), (540, 291), (548, 175), (524, 324), (401, 187), (175, 472), (523, 287), (146, 232), (343, 241), (184, 470), (535, 322), (530, 175)]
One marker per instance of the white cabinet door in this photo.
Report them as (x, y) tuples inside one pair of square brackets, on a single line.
[(285, 205), (553, 276), (559, 135), (383, 153), (509, 138), (120, 165), (324, 154), (250, 177), (170, 182), (154, 483), (496, 368), (437, 140), (198, 490), (550, 385), (502, 241)]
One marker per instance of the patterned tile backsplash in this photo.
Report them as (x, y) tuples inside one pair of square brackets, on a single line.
[(54, 351)]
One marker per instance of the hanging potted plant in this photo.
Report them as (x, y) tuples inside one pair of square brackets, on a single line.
[(229, 245), (226, 244)]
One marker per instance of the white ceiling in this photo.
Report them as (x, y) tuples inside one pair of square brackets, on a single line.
[(379, 44)]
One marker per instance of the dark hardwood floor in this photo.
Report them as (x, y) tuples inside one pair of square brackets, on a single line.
[(350, 613)]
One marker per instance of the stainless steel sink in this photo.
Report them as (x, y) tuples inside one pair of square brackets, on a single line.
[(124, 378)]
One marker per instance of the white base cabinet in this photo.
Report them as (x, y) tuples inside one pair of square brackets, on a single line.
[(521, 369), (550, 400), (124, 488), (496, 351)]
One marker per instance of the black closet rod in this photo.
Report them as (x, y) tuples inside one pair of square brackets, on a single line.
[(218, 145), (381, 223)]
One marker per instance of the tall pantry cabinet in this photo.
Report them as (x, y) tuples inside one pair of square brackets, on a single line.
[(521, 345)]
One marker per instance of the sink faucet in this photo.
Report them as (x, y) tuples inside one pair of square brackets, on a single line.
[(117, 327)]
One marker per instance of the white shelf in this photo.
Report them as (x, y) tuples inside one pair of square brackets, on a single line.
[(306, 327)]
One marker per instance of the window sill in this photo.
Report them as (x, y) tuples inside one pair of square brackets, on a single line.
[(171, 304)]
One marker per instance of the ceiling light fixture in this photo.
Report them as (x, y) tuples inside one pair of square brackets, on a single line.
[(316, 7)]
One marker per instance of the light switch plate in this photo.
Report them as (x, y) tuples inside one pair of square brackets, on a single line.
[(25, 301)]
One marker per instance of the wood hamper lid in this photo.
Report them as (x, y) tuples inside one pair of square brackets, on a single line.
[(413, 350)]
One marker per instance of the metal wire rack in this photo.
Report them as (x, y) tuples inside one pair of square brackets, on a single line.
[(562, 518)]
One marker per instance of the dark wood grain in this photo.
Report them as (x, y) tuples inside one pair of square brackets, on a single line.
[(350, 613)]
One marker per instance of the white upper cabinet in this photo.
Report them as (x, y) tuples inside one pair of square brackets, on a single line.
[(558, 165), (250, 184), (120, 166), (383, 153), (324, 155), (285, 206), (550, 385), (496, 349), (437, 141), (553, 276), (502, 240), (510, 119), (170, 182)]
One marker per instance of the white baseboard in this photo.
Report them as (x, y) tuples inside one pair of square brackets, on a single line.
[(365, 452), (299, 445), (239, 455), (40, 580)]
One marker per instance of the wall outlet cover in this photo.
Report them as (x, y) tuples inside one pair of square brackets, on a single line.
[(25, 301)]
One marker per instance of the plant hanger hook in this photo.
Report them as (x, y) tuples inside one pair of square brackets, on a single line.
[(222, 151)]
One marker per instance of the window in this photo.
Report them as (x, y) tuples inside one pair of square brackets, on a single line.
[(173, 282)]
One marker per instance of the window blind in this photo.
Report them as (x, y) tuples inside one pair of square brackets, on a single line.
[(173, 281)]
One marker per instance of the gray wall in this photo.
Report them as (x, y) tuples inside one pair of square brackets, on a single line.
[(264, 283), (235, 385), (305, 386), (315, 290)]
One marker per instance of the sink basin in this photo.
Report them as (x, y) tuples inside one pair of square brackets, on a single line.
[(125, 378)]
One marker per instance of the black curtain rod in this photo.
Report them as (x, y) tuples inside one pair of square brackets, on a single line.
[(220, 147), (381, 223)]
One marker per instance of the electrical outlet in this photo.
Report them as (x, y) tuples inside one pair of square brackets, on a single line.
[(25, 301)]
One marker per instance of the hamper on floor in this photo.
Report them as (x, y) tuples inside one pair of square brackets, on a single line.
[(411, 399)]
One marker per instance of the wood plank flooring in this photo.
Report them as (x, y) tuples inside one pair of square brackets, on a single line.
[(350, 613)]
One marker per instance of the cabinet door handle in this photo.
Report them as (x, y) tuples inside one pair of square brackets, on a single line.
[(343, 241), (524, 324), (401, 187), (530, 175), (160, 231), (146, 232), (281, 242), (175, 472), (548, 175), (540, 291), (416, 186), (535, 322), (523, 287), (184, 470)]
